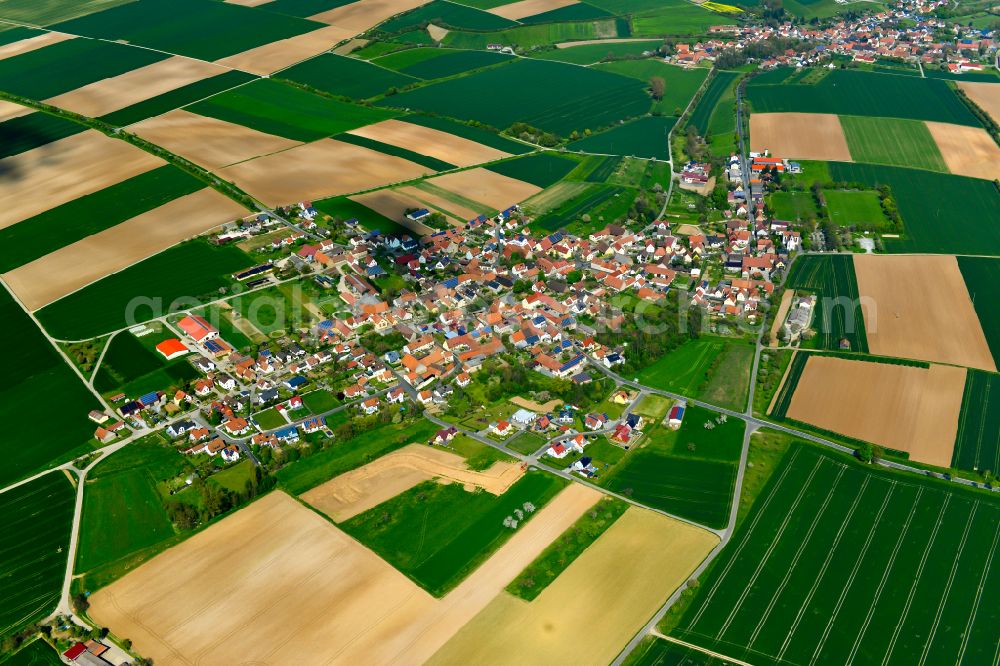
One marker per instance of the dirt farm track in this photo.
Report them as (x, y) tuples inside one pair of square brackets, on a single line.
[(276, 583)]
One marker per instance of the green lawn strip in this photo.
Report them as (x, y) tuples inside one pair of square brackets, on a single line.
[(389, 149), (857, 93), (892, 141), (566, 548), (37, 236), (446, 15), (675, 19), (981, 277), (477, 134), (680, 83), (478, 456), (178, 26), (703, 110), (823, 519), (767, 450), (341, 75), (586, 54), (437, 534), (451, 62), (977, 444), (655, 651), (941, 213), (176, 98), (284, 110), (856, 208), (526, 443), (728, 382), (792, 206), (344, 456), (832, 279), (707, 366), (69, 65), (646, 137), (24, 133), (37, 517), (195, 269), (457, 199), (541, 169), (653, 407)]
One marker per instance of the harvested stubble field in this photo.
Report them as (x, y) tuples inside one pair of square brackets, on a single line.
[(323, 168), (837, 565), (977, 446), (176, 98), (207, 141), (968, 151), (489, 188), (901, 407), (74, 266), (910, 322), (54, 174), (660, 553), (985, 95), (524, 8), (427, 141), (10, 110), (361, 489), (807, 136), (456, 213), (107, 95), (280, 565)]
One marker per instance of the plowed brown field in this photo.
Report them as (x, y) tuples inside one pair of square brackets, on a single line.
[(985, 95), (806, 136), (284, 53), (518, 10), (434, 143), (968, 151), (493, 190)]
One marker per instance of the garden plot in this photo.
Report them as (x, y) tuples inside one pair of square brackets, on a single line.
[(807, 136), (359, 490), (968, 151), (361, 16), (489, 188), (210, 142), (985, 95), (324, 168), (626, 573), (431, 142), (931, 319), (523, 8), (902, 407), (68, 269), (32, 44), (54, 174), (107, 95), (321, 595), (264, 60)]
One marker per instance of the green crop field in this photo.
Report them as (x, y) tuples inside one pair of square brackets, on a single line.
[(447, 15), (273, 309), (646, 137), (703, 110), (36, 653), (351, 77), (564, 97), (19, 135), (36, 518), (133, 367), (680, 84), (653, 651), (179, 26), (893, 141), (277, 108), (941, 213), (60, 226), (621, 7), (304, 8), (69, 65), (129, 359), (153, 287), (836, 564), (702, 366), (586, 54), (177, 98), (676, 18), (437, 534), (981, 277), (598, 169), (857, 208), (837, 314), (593, 198), (856, 93), (541, 169), (345, 456), (35, 378), (450, 62), (792, 206), (476, 134), (977, 445), (529, 36), (52, 11)]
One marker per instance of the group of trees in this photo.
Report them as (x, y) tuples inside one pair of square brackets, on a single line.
[(216, 500)]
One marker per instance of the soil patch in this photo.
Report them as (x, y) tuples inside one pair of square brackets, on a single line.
[(64, 170), (779, 319), (436, 32), (32, 44), (351, 46), (363, 15), (491, 189), (320, 169), (64, 271), (985, 95), (518, 10), (968, 151), (544, 408), (393, 204), (919, 307), (107, 95), (624, 577), (457, 214), (431, 142), (901, 407), (807, 136), (357, 491), (687, 230), (9, 110), (210, 142), (283, 53)]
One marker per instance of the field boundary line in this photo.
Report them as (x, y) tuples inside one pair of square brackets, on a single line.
[(885, 576), (798, 555), (692, 646), (823, 570), (916, 580), (767, 553), (947, 588), (750, 530), (979, 595), (844, 591)]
